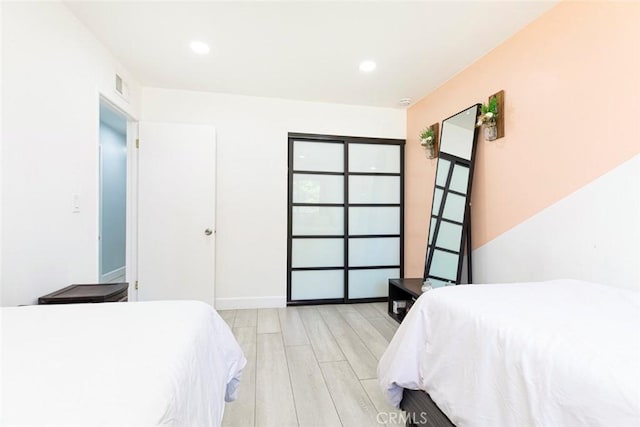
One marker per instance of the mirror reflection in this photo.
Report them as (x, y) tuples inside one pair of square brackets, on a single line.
[(450, 223), (458, 134), (460, 179)]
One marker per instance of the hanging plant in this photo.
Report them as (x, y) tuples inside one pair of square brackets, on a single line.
[(489, 118), (428, 140), (489, 113), (427, 137)]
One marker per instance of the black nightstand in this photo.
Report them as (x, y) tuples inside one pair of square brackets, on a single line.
[(407, 290), (76, 294)]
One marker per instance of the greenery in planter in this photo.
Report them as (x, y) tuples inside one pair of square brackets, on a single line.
[(489, 112), (427, 137)]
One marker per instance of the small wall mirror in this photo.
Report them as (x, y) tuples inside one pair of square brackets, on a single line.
[(450, 222)]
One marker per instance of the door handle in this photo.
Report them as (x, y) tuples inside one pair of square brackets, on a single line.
[(208, 232)]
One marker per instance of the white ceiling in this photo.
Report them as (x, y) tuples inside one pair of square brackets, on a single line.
[(305, 50)]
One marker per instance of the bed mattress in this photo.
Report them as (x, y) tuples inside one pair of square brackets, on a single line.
[(120, 364), (559, 353)]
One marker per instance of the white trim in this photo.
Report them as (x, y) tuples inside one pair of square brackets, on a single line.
[(108, 277), (132, 209), (2, 288), (250, 302)]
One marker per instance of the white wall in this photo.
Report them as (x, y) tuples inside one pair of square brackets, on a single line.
[(251, 206), (592, 235), (53, 72)]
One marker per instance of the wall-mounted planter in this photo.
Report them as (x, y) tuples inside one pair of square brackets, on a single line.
[(490, 131), (430, 144), (498, 129)]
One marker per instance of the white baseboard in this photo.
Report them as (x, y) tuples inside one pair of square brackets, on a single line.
[(112, 275), (250, 302)]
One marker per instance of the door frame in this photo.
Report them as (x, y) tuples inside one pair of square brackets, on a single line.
[(131, 223)]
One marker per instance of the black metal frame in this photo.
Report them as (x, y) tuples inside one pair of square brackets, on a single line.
[(465, 237), (345, 140), (421, 410)]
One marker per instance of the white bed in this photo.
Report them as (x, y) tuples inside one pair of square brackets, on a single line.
[(559, 353), (119, 364)]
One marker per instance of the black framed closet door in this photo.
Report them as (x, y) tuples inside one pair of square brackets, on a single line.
[(345, 231)]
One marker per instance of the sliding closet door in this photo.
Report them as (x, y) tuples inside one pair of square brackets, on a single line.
[(345, 211), (316, 220), (375, 218)]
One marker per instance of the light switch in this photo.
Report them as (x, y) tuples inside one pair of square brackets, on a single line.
[(75, 204)]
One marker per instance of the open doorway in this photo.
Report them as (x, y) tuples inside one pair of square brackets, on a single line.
[(113, 195)]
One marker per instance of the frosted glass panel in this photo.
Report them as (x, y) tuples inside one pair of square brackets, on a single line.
[(437, 199), (317, 253), (374, 158), (318, 156), (324, 284), (454, 207), (432, 229), (316, 220), (371, 283), (444, 265), (308, 188), (384, 220), (442, 172), (374, 189), (459, 179), (378, 251), (449, 236)]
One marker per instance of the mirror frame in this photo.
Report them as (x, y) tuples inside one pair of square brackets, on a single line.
[(465, 238)]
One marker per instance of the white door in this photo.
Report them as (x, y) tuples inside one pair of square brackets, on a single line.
[(176, 215)]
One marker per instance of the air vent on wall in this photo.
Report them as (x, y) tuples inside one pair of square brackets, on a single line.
[(122, 88)]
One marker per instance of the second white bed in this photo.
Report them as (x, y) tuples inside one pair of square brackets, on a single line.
[(560, 353)]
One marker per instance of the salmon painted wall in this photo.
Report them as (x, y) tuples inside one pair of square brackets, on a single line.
[(572, 88)]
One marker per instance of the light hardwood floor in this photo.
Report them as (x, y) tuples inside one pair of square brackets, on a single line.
[(311, 366)]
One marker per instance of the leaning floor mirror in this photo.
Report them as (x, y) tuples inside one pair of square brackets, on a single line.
[(450, 222)]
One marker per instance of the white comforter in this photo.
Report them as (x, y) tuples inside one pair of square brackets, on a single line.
[(118, 364), (560, 353)]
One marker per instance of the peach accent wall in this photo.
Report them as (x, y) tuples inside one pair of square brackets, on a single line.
[(572, 88)]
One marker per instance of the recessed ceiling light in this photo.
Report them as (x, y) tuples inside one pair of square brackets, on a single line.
[(201, 48), (367, 66)]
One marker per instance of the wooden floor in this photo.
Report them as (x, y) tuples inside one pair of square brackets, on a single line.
[(311, 366)]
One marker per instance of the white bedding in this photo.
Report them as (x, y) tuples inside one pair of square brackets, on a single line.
[(118, 364), (559, 353)]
